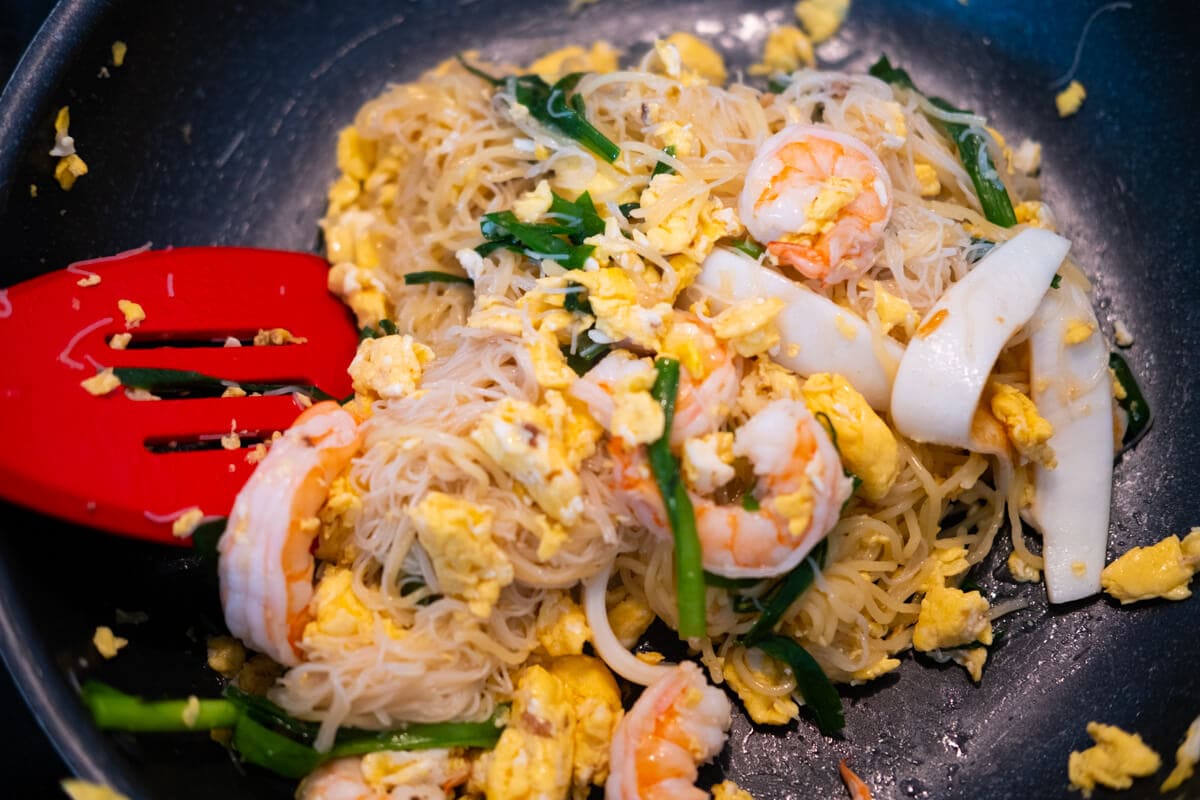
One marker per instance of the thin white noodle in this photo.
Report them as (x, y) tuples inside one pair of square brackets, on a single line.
[(65, 355)]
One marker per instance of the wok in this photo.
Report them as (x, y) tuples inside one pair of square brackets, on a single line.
[(219, 130)]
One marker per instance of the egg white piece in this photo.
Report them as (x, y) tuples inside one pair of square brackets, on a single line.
[(817, 334), (947, 363), (1073, 391)]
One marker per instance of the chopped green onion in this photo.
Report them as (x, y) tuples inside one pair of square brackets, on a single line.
[(689, 574), (663, 168), (265, 735), (205, 537), (434, 276), (776, 86), (550, 106), (577, 302), (112, 709), (750, 502), (388, 327), (583, 359), (788, 590), (972, 150), (749, 247), (819, 693), (265, 748), (628, 208), (1137, 410), (578, 216), (1056, 282), (478, 73)]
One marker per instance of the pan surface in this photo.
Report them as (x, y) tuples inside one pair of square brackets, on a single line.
[(219, 130)]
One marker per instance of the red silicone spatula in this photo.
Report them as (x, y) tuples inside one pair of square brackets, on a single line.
[(131, 466)]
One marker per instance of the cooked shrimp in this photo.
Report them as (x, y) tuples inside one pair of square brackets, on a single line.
[(677, 724), (819, 199), (266, 569), (423, 775), (800, 492), (801, 489)]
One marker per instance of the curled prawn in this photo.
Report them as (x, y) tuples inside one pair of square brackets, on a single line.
[(819, 199), (800, 489), (677, 724), (428, 775), (266, 568)]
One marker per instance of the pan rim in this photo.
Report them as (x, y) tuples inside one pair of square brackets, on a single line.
[(53, 701)]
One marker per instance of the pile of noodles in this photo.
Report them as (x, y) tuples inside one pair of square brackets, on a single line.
[(448, 148)]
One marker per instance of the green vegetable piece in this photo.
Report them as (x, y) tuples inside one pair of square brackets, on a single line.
[(112, 709), (750, 502), (583, 359), (1134, 403), (972, 150), (478, 73), (786, 592), (422, 736), (749, 247), (689, 574), (184, 381), (578, 216), (819, 693), (1056, 282), (628, 208), (267, 713), (434, 276), (388, 327), (550, 106), (539, 241), (205, 538), (662, 168), (577, 301), (776, 86), (265, 748)]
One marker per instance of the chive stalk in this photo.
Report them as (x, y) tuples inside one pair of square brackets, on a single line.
[(689, 571)]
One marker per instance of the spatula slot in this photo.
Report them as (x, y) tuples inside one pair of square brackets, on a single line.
[(206, 441), (211, 340)]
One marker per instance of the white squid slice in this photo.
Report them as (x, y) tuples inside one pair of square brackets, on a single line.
[(947, 363), (817, 334), (1073, 391)]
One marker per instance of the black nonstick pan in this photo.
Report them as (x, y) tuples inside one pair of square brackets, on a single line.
[(219, 130)]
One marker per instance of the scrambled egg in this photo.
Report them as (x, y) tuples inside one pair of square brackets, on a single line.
[(338, 516), (1115, 760), (78, 789), (821, 18), (872, 671), (691, 227), (708, 461), (1078, 331), (971, 659), (614, 301), (535, 755), (357, 286), (601, 57), (1070, 99), (728, 790), (1022, 571), (340, 619), (457, 535), (765, 382), (867, 445), (681, 137), (106, 643), (596, 700), (534, 204), (541, 447), (694, 56), (951, 618), (101, 383), (1161, 570), (927, 180), (1035, 213), (1186, 758), (750, 325), (226, 655), (133, 313), (562, 627), (762, 708), (894, 311), (1028, 431), (191, 711), (786, 50), (694, 347), (70, 167), (388, 367), (392, 769), (119, 49), (276, 336), (185, 524), (630, 618)]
